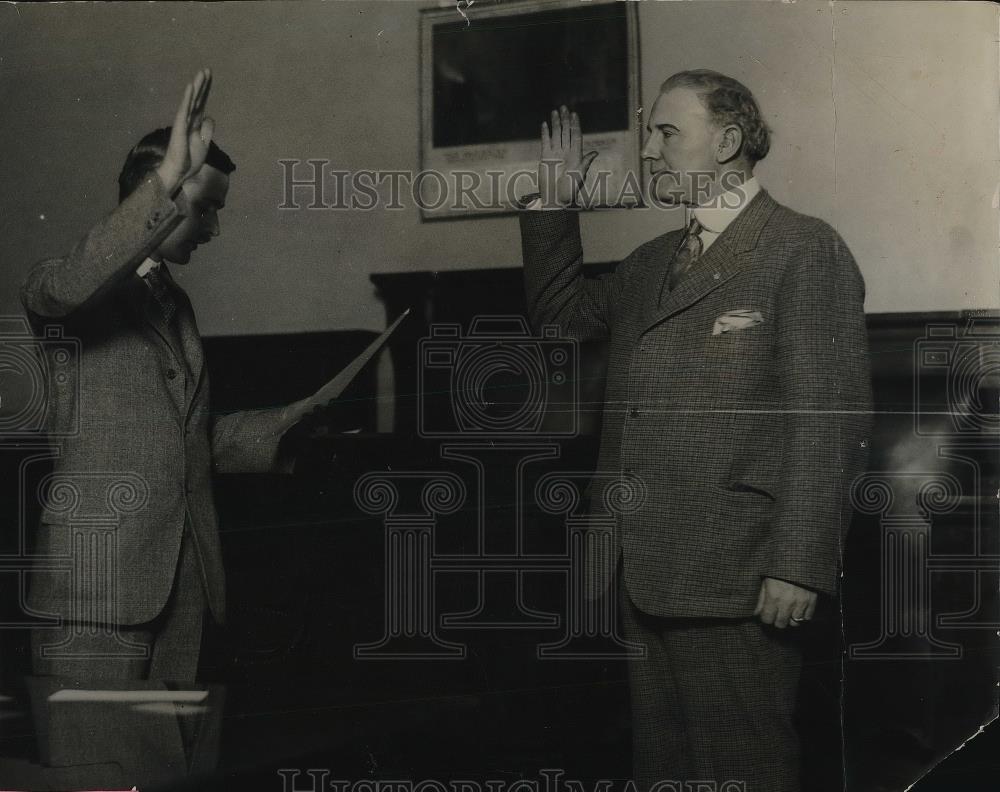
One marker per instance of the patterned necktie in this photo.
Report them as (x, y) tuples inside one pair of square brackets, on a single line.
[(161, 294), (689, 252)]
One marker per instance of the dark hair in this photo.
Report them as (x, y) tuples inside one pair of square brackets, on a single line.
[(728, 101), (148, 153)]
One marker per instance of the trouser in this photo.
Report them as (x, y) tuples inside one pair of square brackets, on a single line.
[(713, 701), (130, 717)]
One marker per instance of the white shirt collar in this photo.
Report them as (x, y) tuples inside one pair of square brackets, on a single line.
[(149, 264), (726, 207)]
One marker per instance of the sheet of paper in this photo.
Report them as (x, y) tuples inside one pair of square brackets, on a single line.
[(339, 383)]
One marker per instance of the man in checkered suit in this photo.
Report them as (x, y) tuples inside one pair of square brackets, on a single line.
[(738, 391)]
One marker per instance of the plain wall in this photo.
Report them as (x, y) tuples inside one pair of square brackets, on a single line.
[(885, 119)]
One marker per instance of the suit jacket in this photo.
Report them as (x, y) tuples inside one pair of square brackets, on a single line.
[(747, 441), (139, 395)]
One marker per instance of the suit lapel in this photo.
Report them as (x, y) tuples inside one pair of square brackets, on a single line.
[(713, 269), (140, 303), (724, 259), (190, 352), (657, 270), (151, 317), (183, 342)]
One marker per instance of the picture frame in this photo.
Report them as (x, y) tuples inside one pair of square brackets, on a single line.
[(491, 75)]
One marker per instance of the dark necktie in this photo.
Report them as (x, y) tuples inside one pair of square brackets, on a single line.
[(688, 253), (161, 294)]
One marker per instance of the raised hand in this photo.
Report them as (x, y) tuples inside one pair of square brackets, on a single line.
[(190, 135), (563, 166)]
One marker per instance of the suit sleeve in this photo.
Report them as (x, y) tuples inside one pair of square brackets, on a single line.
[(249, 442), (825, 395), (110, 251), (557, 291)]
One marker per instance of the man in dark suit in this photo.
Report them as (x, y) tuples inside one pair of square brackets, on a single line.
[(738, 392), (132, 608)]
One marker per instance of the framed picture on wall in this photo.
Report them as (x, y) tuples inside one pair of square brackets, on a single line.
[(491, 73)]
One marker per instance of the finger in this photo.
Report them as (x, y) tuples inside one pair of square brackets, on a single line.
[(576, 137), (797, 613), (782, 615), (207, 130), (195, 86), (564, 121), (202, 96), (556, 129), (198, 103), (768, 610), (183, 110), (811, 607), (546, 141)]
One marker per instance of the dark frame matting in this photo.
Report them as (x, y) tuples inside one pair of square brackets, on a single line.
[(620, 148)]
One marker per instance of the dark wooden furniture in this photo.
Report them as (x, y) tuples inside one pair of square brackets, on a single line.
[(307, 572)]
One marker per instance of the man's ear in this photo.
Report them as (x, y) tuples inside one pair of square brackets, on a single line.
[(729, 141)]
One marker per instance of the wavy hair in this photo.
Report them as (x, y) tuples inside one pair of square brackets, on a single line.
[(728, 101)]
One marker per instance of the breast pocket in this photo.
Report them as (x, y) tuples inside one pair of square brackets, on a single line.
[(738, 360)]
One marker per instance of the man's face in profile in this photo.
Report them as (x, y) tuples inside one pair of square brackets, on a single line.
[(200, 200), (681, 147)]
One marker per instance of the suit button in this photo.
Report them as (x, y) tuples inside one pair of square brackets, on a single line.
[(171, 374), (633, 412)]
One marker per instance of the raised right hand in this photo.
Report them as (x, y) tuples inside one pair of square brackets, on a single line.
[(190, 135), (563, 166)]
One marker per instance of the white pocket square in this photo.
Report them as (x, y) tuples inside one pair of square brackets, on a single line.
[(736, 320)]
